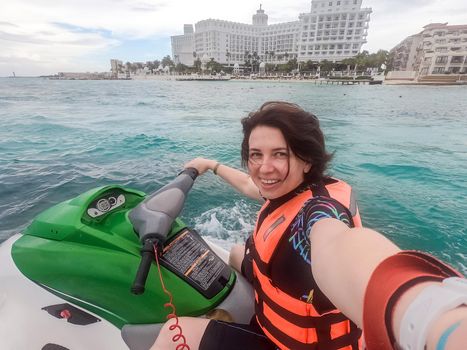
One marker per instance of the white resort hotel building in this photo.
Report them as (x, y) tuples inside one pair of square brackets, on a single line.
[(333, 30), (438, 49)]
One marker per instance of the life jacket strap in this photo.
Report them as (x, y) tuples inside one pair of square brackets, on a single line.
[(319, 321)]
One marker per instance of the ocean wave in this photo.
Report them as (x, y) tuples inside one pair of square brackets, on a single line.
[(141, 103), (402, 171), (229, 223)]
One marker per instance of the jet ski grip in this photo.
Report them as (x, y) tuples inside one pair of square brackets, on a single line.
[(147, 256), (153, 218)]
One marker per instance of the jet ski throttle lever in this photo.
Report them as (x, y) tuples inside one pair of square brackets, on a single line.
[(147, 257)]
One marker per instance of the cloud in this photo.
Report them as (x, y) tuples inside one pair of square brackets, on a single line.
[(401, 5), (145, 6), (45, 48), (7, 24), (47, 36), (393, 21)]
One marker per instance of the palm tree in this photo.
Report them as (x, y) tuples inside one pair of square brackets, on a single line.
[(326, 66), (272, 55), (167, 61), (361, 60), (255, 62), (150, 66), (247, 57), (197, 65), (227, 54), (214, 66)]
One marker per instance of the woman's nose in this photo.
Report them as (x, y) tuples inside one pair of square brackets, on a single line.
[(267, 164)]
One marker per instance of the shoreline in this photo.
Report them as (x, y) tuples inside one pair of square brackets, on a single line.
[(312, 81), (281, 80)]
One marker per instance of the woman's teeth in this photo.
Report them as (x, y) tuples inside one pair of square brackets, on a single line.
[(269, 182)]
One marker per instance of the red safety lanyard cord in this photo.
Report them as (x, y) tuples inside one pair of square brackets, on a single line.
[(171, 315)]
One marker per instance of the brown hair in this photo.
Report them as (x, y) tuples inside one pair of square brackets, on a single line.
[(301, 132)]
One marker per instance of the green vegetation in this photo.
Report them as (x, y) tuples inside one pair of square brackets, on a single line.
[(360, 64), (366, 60)]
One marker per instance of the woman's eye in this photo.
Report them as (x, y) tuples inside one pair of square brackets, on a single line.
[(255, 155), (281, 155)]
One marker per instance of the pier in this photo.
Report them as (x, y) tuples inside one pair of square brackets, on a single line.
[(346, 81)]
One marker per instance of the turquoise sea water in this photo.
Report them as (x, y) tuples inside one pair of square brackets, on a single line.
[(403, 148)]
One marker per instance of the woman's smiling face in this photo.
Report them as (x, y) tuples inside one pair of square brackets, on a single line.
[(273, 167)]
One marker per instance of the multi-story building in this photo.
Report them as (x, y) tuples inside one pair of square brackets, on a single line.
[(438, 49), (405, 54), (444, 49), (115, 66), (333, 30), (182, 46)]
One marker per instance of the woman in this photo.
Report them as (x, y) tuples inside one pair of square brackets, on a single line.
[(284, 150)]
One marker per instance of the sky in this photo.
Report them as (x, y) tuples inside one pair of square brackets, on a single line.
[(42, 37)]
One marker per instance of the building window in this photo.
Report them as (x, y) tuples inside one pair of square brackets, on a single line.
[(441, 59), (457, 59)]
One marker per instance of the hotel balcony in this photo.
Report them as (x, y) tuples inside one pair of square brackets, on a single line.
[(457, 61)]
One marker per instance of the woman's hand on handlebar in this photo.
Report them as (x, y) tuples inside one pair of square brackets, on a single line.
[(201, 164)]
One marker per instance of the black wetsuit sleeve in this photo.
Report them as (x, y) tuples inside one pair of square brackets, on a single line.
[(319, 208)]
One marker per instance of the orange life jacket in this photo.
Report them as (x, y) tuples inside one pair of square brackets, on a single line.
[(289, 322), (342, 192)]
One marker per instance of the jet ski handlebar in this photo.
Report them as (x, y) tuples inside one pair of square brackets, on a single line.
[(153, 218)]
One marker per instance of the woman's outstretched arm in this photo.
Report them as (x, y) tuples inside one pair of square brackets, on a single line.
[(238, 179), (343, 261)]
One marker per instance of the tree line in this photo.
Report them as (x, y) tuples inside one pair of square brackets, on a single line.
[(152, 66), (360, 63)]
